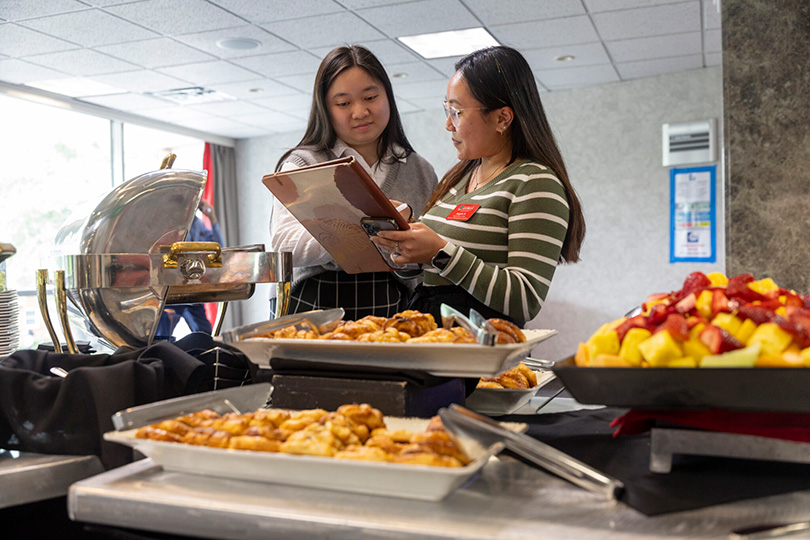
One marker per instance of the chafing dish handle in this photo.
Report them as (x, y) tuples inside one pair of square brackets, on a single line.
[(223, 307), (61, 308), (42, 297), (282, 298)]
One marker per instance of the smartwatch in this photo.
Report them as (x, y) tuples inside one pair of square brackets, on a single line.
[(441, 259)]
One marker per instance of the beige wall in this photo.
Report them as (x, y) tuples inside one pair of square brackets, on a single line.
[(610, 136)]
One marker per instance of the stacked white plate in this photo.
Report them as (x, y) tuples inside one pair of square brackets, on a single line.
[(9, 324)]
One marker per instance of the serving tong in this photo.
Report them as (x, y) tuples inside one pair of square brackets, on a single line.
[(474, 429), (323, 320), (476, 324)]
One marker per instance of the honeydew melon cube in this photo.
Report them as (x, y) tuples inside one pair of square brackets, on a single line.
[(659, 349), (629, 349), (743, 358), (772, 338)]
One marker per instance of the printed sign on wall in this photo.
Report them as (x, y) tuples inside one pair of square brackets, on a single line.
[(692, 214)]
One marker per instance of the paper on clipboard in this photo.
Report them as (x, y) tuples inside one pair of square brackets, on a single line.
[(330, 200)]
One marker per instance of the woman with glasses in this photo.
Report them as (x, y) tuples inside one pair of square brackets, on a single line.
[(353, 114), (501, 219)]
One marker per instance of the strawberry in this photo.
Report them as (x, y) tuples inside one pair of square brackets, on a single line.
[(791, 298), (659, 313), (799, 318), (633, 322), (738, 288), (718, 340), (694, 320), (687, 304), (694, 282), (799, 331), (653, 299), (757, 313), (720, 302), (676, 325)]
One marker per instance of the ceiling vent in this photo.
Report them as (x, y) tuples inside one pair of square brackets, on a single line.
[(690, 142), (192, 96)]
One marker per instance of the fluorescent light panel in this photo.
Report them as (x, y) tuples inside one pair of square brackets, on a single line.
[(76, 87), (452, 43)]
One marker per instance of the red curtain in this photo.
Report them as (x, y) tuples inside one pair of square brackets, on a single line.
[(208, 196)]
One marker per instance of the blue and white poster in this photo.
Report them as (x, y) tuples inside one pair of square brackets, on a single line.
[(692, 214)]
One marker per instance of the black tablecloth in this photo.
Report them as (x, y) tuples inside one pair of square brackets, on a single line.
[(695, 481)]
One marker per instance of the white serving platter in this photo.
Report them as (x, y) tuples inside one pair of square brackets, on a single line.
[(441, 359), (501, 401), (369, 477)]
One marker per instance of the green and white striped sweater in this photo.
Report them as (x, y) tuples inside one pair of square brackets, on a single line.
[(506, 253)]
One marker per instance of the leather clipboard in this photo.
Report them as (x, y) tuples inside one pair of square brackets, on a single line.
[(330, 200)]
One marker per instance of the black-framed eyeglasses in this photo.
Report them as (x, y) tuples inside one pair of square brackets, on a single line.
[(452, 112)]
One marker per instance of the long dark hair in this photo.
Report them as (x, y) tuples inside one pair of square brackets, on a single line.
[(320, 134), (501, 77)]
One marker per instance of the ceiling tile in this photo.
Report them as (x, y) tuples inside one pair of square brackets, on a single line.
[(360, 4), (267, 119), (20, 72), (431, 89), (387, 51), (256, 89), (295, 104), (324, 30), (303, 82), (175, 114), (421, 17), (154, 53), (631, 50), (446, 65), (18, 41), (82, 62), (278, 10), (596, 6), (245, 132), (523, 10), (141, 81), (416, 72), (206, 73), (127, 102), (229, 108), (578, 76), (430, 105), (589, 54), (177, 16), (650, 21), (207, 41), (651, 68), (12, 10), (281, 64), (543, 34), (89, 28), (213, 124), (404, 106)]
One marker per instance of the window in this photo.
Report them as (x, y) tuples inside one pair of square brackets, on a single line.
[(56, 163)]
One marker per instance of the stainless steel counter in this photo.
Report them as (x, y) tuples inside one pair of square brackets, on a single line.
[(27, 477), (508, 500)]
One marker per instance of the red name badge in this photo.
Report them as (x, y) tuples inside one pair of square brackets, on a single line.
[(463, 212)]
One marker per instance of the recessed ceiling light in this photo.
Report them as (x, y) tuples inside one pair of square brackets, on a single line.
[(452, 43), (400, 75), (76, 87), (564, 58), (192, 96), (238, 44)]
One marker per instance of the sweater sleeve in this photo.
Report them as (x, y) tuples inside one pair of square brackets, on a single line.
[(537, 225)]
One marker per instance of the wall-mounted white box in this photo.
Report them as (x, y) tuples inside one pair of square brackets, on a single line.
[(689, 142)]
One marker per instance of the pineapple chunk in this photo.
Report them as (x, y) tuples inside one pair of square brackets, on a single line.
[(704, 304), (605, 329), (695, 348), (805, 354), (603, 344), (740, 358), (772, 338), (629, 349), (746, 329), (659, 349), (718, 279), (685, 362), (727, 322), (763, 286)]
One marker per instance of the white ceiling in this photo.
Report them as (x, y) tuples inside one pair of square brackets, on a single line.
[(154, 45)]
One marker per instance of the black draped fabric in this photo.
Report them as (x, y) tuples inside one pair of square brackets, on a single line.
[(695, 481), (43, 413)]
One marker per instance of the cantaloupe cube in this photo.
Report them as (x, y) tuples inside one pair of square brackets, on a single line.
[(629, 349), (609, 360), (659, 349), (718, 279), (787, 359), (582, 357), (772, 338)]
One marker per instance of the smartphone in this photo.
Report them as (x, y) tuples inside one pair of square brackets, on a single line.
[(374, 225)]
